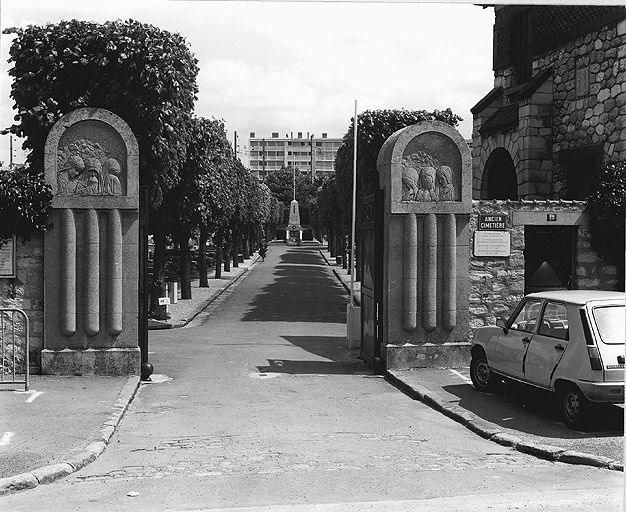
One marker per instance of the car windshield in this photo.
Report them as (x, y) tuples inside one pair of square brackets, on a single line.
[(610, 323)]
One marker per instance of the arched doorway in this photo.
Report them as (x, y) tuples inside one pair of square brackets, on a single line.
[(499, 178)]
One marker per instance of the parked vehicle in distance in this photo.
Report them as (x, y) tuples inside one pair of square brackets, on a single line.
[(570, 342)]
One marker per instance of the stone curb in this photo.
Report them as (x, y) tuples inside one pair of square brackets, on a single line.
[(346, 287), (52, 472), (217, 295), (492, 432)]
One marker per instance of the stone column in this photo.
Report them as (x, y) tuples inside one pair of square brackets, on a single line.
[(425, 171), (91, 254)]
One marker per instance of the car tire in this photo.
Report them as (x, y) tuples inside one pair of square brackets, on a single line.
[(483, 378), (575, 407)]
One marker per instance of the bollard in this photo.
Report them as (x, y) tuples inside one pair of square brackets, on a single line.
[(172, 291)]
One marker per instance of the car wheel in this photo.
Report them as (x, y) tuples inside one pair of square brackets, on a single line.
[(480, 373), (575, 407)]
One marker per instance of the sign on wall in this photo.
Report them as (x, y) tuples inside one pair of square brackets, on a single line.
[(492, 243), (7, 258), (492, 222)]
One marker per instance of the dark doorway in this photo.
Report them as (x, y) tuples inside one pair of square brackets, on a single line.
[(371, 269), (549, 258), (499, 176)]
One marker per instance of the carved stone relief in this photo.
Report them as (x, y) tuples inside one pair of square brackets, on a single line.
[(86, 170), (425, 180)]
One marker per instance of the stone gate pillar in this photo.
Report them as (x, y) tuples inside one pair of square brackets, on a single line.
[(425, 171), (91, 258)]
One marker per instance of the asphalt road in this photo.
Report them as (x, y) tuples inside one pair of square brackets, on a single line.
[(259, 408)]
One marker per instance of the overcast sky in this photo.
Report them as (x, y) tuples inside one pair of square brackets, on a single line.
[(287, 67)]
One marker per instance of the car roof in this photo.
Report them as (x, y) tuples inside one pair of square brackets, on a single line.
[(579, 296)]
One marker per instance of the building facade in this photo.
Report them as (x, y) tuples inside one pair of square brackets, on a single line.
[(312, 155), (556, 113), (558, 104)]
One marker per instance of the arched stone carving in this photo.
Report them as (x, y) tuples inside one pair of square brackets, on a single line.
[(427, 165), (87, 156), (91, 255)]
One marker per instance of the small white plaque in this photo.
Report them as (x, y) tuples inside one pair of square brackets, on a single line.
[(7, 258), (164, 301), (492, 243)]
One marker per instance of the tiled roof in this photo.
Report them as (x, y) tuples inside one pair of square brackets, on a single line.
[(527, 89), (501, 120), (489, 98)]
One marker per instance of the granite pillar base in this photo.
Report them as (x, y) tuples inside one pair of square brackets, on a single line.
[(428, 355), (91, 361)]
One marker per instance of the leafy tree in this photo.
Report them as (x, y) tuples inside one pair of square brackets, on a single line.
[(374, 128), (327, 214), (187, 205), (606, 209), (281, 184), (144, 74), (23, 199)]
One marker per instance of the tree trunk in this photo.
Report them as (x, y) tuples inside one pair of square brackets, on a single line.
[(218, 241), (158, 288), (202, 266), (246, 243), (235, 246), (185, 268), (227, 251)]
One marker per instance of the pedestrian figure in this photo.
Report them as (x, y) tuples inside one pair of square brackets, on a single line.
[(262, 250)]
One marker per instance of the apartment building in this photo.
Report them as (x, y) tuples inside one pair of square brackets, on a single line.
[(312, 155)]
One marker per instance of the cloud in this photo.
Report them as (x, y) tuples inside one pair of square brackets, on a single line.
[(282, 66)]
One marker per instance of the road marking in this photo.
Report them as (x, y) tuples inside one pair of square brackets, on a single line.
[(264, 375), (34, 395), (6, 438), (459, 374)]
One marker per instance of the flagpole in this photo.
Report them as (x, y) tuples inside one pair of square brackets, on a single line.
[(353, 252)]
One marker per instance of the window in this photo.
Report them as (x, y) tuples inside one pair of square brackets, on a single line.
[(581, 167), (521, 53), (610, 323), (527, 317), (554, 321)]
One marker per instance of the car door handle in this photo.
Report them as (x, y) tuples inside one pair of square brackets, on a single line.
[(559, 347), (525, 339)]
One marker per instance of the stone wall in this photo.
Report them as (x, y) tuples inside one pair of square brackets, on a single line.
[(26, 292), (582, 104), (497, 284), (594, 114)]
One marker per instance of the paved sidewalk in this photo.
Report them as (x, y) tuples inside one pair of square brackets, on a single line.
[(64, 423), (529, 425), (186, 310)]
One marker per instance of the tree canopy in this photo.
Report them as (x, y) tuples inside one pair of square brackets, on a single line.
[(22, 194), (144, 74), (374, 127), (280, 184), (606, 209)]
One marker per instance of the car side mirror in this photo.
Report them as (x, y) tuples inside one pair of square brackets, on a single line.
[(501, 323)]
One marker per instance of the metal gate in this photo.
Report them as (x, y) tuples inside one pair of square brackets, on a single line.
[(14, 347), (371, 270)]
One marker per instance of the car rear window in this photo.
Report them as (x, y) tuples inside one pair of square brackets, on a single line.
[(610, 323)]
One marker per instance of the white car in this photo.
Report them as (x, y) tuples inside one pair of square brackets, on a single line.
[(570, 342)]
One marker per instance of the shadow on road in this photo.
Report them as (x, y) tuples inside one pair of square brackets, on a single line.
[(534, 411), (339, 359), (302, 291)]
